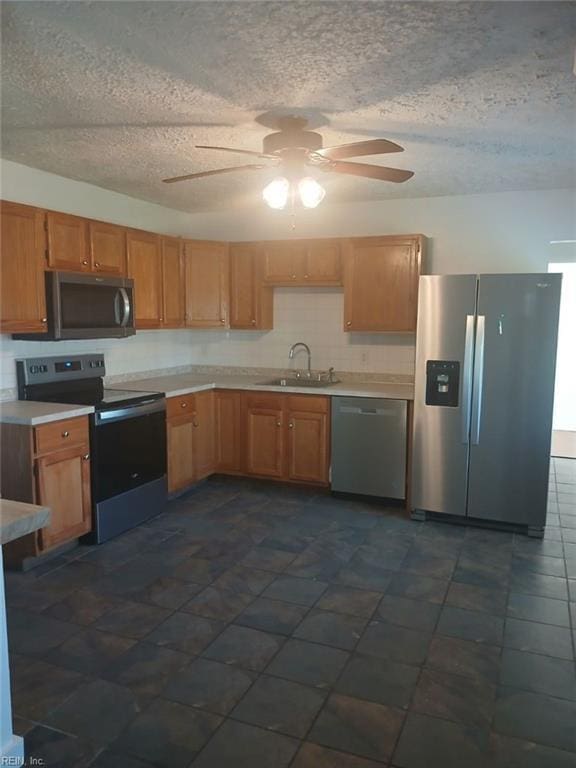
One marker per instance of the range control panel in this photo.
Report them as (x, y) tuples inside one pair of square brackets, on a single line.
[(45, 370), (442, 382)]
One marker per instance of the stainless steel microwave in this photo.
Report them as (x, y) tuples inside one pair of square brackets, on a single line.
[(81, 306)]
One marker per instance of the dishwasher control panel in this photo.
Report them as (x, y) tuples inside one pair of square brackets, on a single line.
[(442, 382)]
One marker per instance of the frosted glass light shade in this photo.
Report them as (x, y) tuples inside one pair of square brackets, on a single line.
[(276, 193)]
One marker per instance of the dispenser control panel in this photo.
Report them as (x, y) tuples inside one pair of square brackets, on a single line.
[(442, 382)]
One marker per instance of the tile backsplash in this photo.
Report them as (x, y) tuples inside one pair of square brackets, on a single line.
[(312, 315)]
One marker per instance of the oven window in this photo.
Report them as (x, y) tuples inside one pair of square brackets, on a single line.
[(89, 306), (128, 453)]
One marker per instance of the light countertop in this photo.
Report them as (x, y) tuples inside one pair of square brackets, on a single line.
[(188, 383), (18, 519), (31, 413)]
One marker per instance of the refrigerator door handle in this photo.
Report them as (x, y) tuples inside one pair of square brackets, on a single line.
[(467, 377), (478, 379)]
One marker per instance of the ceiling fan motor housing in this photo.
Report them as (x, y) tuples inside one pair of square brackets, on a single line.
[(291, 139)]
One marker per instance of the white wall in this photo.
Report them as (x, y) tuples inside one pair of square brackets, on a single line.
[(477, 233)]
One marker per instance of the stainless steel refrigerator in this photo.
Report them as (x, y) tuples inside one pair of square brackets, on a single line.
[(484, 392)]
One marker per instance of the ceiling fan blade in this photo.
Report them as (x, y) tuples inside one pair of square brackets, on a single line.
[(213, 173), (238, 151), (369, 171), (358, 148)]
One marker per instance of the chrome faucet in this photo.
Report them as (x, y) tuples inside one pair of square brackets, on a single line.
[(293, 349)]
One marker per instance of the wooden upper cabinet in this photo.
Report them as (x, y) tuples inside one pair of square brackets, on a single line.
[(107, 246), (264, 435), (144, 266), (22, 263), (173, 299), (63, 484), (308, 439), (323, 263), (284, 262), (67, 242), (381, 283), (206, 281), (251, 302)]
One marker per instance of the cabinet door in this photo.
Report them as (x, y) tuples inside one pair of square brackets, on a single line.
[(23, 295), (63, 484), (67, 242), (264, 425), (107, 244), (228, 431), (206, 281), (144, 267), (308, 439), (250, 300), (204, 444), (173, 307), (381, 284), (284, 262), (180, 442), (323, 263)]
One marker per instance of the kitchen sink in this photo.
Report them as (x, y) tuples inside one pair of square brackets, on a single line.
[(298, 382)]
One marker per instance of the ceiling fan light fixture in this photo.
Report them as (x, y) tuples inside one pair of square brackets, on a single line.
[(311, 192), (276, 193)]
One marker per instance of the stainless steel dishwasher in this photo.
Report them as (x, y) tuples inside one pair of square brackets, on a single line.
[(369, 446)]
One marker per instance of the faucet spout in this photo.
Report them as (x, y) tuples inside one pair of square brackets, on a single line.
[(305, 347)]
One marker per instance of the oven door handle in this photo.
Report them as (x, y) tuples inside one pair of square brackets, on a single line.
[(130, 411)]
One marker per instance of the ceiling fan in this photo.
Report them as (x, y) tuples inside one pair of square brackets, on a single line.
[(294, 149)]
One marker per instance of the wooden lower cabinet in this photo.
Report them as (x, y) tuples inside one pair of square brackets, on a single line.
[(190, 439), (264, 435), (47, 465), (228, 431), (308, 439)]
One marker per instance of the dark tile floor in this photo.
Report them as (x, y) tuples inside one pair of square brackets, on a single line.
[(259, 626)]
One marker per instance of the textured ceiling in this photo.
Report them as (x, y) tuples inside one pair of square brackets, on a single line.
[(481, 95)]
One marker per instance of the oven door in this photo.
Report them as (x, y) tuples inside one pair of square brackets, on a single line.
[(89, 306), (128, 448)]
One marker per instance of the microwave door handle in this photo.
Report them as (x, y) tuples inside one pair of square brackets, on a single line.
[(117, 298), (125, 305)]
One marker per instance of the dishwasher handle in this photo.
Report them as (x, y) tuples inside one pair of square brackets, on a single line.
[(363, 411)]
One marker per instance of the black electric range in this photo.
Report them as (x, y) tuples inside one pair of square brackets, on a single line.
[(127, 437)]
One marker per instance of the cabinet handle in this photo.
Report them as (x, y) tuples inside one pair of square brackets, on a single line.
[(84, 263), (97, 264), (223, 321), (349, 323), (183, 405), (195, 423), (306, 276), (293, 277), (44, 320), (66, 434), (253, 322), (278, 423), (290, 426), (86, 457)]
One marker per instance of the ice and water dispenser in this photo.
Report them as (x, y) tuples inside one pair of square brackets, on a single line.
[(442, 382)]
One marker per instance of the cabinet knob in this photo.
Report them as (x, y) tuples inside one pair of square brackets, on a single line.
[(86, 457), (253, 321), (97, 264), (290, 426), (293, 277), (66, 434), (44, 320), (195, 423), (223, 321), (183, 405), (349, 322), (84, 263), (306, 276), (278, 423)]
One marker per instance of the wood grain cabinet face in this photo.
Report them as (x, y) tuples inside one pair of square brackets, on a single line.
[(204, 436), (67, 242), (144, 266), (173, 300), (323, 263), (190, 439), (22, 264), (264, 435), (180, 441), (381, 283), (63, 484), (206, 280), (284, 262), (107, 244), (228, 431), (308, 439), (251, 302)]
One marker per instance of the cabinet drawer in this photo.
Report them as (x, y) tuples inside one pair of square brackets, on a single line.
[(309, 403), (61, 434), (179, 407)]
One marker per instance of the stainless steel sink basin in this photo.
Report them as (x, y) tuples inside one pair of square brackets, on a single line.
[(294, 382)]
